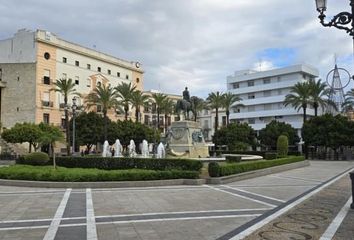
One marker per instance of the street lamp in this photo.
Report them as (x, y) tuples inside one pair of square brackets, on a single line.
[(74, 108), (343, 20)]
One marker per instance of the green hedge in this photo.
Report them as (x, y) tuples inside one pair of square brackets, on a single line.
[(36, 158), (270, 155), (47, 173), (234, 168), (129, 163)]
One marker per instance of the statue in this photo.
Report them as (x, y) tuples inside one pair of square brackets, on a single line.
[(118, 149), (131, 149), (105, 149), (184, 105), (160, 151), (145, 149)]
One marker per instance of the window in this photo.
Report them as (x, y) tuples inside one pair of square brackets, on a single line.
[(47, 55), (45, 99), (109, 72), (206, 124), (118, 74), (46, 77), (251, 121), (127, 76), (251, 108), (304, 76), (89, 66), (77, 63), (99, 84), (18, 78), (77, 80), (137, 80), (146, 119), (63, 123), (206, 112), (235, 85), (18, 109), (88, 82), (65, 60), (237, 110), (99, 108), (251, 96), (98, 69), (267, 93), (266, 81), (46, 118), (267, 107), (250, 83)]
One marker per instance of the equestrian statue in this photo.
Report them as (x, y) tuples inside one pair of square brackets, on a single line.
[(185, 104)]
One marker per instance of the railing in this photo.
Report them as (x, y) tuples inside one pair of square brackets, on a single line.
[(47, 104)]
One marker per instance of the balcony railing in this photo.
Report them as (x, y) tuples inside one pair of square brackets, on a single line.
[(47, 104)]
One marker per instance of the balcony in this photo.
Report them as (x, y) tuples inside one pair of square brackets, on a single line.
[(62, 105), (47, 104)]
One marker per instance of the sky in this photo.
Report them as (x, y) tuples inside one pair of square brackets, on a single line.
[(194, 43)]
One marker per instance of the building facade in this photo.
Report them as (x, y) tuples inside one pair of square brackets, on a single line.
[(31, 62), (263, 94), (206, 119)]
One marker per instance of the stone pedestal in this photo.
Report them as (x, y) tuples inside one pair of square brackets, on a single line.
[(186, 139)]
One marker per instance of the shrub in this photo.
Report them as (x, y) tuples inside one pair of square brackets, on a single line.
[(234, 168), (270, 155), (36, 158), (213, 169), (129, 163), (231, 158), (282, 146)]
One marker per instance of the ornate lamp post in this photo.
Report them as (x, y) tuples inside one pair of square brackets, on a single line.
[(343, 21), (74, 108)]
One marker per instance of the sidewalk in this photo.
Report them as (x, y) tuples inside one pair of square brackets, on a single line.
[(319, 214)]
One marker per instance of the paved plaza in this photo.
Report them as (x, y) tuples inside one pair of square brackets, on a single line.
[(178, 212)]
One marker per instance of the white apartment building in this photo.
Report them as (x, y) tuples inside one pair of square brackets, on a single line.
[(206, 119), (263, 94)]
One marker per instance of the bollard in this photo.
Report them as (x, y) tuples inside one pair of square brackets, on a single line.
[(352, 178)]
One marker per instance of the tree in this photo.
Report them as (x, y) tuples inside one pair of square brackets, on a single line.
[(229, 100), (282, 146), (198, 104), (50, 135), (89, 129), (168, 108), (319, 93), (236, 136), (138, 99), (24, 132), (106, 98), (348, 104), (124, 92), (159, 100), (268, 136), (215, 101), (66, 88), (299, 97)]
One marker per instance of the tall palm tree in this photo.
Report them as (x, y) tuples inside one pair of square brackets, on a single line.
[(158, 99), (198, 104), (138, 99), (168, 109), (106, 98), (348, 103), (229, 100), (215, 101), (124, 92), (319, 93), (66, 87), (299, 97)]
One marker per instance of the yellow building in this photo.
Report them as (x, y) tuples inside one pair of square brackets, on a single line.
[(31, 62)]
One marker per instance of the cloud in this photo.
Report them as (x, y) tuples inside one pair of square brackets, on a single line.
[(194, 43)]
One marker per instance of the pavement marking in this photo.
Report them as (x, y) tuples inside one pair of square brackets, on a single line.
[(256, 194), (297, 178), (53, 228), (32, 192), (270, 186), (282, 210), (333, 227), (237, 195), (90, 217), (184, 188)]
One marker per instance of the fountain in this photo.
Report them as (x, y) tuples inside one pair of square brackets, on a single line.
[(161, 151), (106, 152), (145, 149), (118, 149), (131, 149)]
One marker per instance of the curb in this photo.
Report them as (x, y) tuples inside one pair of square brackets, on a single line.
[(257, 173)]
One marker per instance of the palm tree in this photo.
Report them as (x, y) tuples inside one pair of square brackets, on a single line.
[(229, 100), (138, 99), (124, 92), (66, 88), (215, 101), (348, 103), (106, 98), (159, 99), (299, 97), (168, 109), (198, 104), (319, 93)]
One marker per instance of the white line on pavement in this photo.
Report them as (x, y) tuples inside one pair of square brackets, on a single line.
[(237, 195), (90, 217), (53, 228), (333, 227), (256, 194), (296, 178), (260, 224)]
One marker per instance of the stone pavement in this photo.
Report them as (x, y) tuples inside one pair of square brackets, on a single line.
[(179, 212)]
